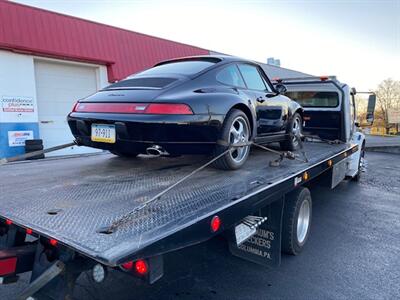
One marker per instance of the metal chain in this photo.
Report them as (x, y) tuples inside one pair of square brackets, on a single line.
[(124, 219)]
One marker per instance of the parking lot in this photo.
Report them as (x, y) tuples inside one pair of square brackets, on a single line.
[(352, 253)]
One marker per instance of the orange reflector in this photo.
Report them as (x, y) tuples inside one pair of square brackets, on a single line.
[(29, 231), (8, 266), (9, 222), (141, 267), (305, 176), (53, 242), (215, 224), (330, 163)]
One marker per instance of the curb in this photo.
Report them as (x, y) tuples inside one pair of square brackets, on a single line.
[(384, 149)]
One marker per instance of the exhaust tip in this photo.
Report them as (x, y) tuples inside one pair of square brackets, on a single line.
[(156, 150)]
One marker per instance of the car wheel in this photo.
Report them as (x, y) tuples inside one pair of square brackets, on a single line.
[(296, 221), (125, 154), (294, 132), (236, 129)]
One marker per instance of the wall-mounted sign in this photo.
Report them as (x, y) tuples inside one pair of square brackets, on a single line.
[(18, 138), (13, 104)]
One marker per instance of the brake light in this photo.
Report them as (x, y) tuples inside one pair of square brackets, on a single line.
[(8, 266), (29, 231), (9, 222), (53, 242), (135, 108), (127, 266), (141, 267), (168, 109), (74, 107)]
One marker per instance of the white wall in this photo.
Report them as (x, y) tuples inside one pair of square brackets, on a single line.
[(17, 79)]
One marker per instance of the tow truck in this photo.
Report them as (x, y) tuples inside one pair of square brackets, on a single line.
[(60, 217)]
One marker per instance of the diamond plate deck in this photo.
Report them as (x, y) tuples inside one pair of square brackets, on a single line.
[(90, 192)]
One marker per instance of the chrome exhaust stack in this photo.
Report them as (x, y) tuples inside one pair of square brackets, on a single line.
[(156, 150)]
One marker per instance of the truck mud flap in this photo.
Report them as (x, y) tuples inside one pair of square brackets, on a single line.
[(263, 247)]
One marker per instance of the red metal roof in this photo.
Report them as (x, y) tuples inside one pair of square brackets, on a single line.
[(39, 32)]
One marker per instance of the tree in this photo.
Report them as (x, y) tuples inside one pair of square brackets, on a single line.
[(388, 97)]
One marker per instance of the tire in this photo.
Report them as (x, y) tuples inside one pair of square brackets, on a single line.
[(236, 128), (125, 154), (33, 142), (294, 129), (295, 228), (31, 148), (357, 177)]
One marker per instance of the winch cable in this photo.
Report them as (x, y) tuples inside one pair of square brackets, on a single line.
[(127, 217)]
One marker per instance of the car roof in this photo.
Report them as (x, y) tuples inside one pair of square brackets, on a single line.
[(216, 58)]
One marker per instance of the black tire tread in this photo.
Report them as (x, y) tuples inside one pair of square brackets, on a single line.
[(287, 144), (292, 204)]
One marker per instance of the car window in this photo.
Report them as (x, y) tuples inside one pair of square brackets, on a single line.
[(252, 77), (180, 67), (315, 99), (231, 76)]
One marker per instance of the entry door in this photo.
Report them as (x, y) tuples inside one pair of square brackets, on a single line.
[(58, 87)]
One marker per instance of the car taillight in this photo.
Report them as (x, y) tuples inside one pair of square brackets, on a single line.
[(135, 108), (168, 109)]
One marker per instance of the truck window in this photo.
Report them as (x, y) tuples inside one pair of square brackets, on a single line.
[(315, 99)]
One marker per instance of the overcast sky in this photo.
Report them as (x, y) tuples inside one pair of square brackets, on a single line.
[(359, 41)]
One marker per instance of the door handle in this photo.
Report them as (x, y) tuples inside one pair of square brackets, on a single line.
[(260, 99)]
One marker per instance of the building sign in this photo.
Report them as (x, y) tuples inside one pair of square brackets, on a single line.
[(394, 116), (11, 104), (18, 138)]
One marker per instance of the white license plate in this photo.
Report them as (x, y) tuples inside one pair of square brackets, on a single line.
[(103, 133)]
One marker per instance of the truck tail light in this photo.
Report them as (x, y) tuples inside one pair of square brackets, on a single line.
[(140, 266), (135, 108), (9, 222), (215, 224), (8, 266)]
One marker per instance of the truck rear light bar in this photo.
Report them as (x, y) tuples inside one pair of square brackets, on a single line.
[(134, 108), (140, 267), (8, 266)]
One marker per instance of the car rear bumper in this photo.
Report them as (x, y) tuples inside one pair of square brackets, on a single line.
[(177, 134)]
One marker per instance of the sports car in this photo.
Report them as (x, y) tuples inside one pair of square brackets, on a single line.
[(190, 105)]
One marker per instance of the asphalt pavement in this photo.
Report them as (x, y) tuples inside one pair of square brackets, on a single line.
[(353, 253)]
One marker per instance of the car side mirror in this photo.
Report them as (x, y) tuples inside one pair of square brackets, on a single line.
[(280, 88), (371, 109), (357, 124)]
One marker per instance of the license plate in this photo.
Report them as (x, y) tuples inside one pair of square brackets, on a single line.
[(103, 133)]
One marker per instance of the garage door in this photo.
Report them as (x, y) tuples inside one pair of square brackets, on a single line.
[(58, 87)]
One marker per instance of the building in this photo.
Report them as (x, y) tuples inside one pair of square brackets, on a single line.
[(48, 61)]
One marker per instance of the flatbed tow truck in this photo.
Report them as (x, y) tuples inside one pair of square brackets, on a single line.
[(60, 217)]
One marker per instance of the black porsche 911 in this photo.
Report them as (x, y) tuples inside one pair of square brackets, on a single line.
[(187, 106)]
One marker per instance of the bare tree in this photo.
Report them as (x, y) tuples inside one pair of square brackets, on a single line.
[(388, 97)]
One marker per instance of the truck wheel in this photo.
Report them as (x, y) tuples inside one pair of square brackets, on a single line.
[(357, 177), (294, 132), (296, 221), (236, 129)]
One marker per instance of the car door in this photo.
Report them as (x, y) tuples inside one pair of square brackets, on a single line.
[(271, 112)]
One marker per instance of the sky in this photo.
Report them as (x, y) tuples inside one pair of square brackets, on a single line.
[(358, 41)]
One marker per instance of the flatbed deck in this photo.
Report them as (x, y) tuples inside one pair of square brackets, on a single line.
[(71, 199)]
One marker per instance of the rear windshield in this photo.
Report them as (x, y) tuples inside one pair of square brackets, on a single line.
[(315, 99), (190, 67)]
